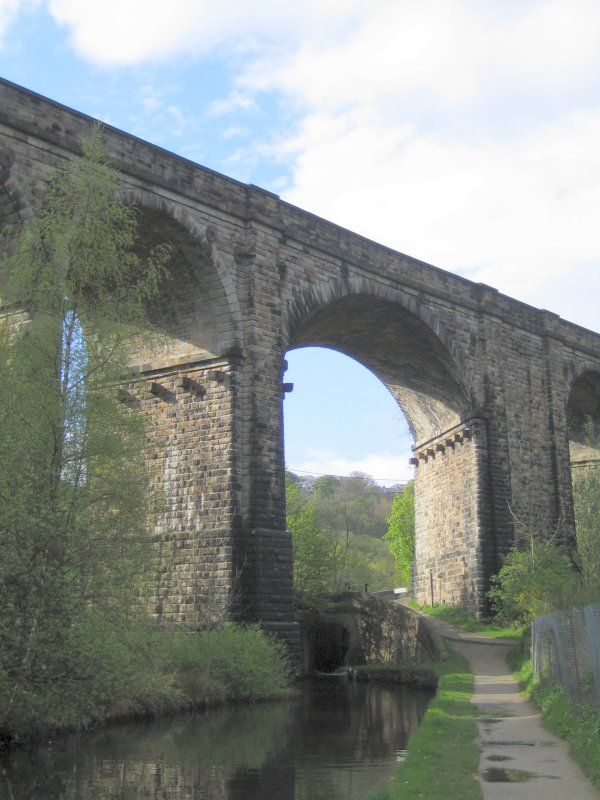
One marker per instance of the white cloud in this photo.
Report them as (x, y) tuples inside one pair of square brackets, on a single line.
[(462, 133), (448, 49), (235, 132), (387, 468), (515, 216), (122, 32), (236, 101), (178, 117)]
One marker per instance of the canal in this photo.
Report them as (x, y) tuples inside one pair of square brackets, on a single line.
[(334, 740)]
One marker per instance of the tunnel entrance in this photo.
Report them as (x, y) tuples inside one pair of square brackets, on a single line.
[(329, 644)]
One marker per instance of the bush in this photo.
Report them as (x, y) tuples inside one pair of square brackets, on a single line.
[(228, 663), (107, 669), (533, 583), (96, 668)]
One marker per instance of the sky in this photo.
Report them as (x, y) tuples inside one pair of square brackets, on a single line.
[(464, 133)]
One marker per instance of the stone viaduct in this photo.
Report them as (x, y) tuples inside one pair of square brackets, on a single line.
[(494, 391)]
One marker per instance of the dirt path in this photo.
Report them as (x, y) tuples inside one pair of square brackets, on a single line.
[(520, 759)]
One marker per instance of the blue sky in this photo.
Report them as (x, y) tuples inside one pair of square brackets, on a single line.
[(463, 132)]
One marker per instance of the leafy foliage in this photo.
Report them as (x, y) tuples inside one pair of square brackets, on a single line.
[(314, 558), (533, 582), (335, 525), (74, 491), (401, 531), (228, 663)]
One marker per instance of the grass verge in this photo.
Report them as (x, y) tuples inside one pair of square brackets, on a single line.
[(442, 756), (580, 727), (463, 619)]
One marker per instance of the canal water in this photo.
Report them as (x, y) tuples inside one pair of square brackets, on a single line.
[(333, 741)]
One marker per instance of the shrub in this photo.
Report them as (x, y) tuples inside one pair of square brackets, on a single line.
[(229, 663), (532, 583)]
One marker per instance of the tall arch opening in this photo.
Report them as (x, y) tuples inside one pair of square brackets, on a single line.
[(453, 547), (583, 418), (347, 450)]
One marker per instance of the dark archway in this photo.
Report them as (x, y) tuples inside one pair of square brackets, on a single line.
[(583, 417), (329, 643)]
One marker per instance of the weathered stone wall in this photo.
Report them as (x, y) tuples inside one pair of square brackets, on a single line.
[(454, 554), (192, 462), (378, 632), (253, 277)]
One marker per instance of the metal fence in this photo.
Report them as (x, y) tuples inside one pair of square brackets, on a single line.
[(566, 651)]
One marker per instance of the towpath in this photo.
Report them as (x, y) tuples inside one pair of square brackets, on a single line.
[(520, 759)]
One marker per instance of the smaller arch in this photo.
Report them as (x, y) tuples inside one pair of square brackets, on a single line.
[(329, 643), (205, 287), (583, 418)]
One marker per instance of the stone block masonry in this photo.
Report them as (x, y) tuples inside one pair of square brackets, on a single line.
[(495, 391), (190, 455)]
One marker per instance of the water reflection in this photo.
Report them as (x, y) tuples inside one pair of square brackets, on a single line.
[(335, 741)]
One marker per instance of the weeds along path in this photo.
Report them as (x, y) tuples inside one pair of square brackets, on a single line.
[(520, 759)]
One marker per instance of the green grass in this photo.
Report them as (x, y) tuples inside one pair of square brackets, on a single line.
[(442, 756), (463, 619), (580, 727)]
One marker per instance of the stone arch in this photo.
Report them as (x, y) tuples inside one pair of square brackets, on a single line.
[(583, 417), (197, 310), (328, 646), (402, 342), (393, 335)]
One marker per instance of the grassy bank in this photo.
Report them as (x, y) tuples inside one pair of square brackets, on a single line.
[(442, 756), (581, 727), (139, 669), (463, 619)]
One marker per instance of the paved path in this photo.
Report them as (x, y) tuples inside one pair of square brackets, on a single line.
[(511, 734)]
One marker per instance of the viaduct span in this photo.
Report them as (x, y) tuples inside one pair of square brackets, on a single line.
[(494, 391)]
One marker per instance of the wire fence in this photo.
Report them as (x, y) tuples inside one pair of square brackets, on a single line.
[(566, 651)]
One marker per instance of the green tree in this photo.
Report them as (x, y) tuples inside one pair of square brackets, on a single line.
[(401, 531), (74, 491), (314, 557), (586, 500)]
